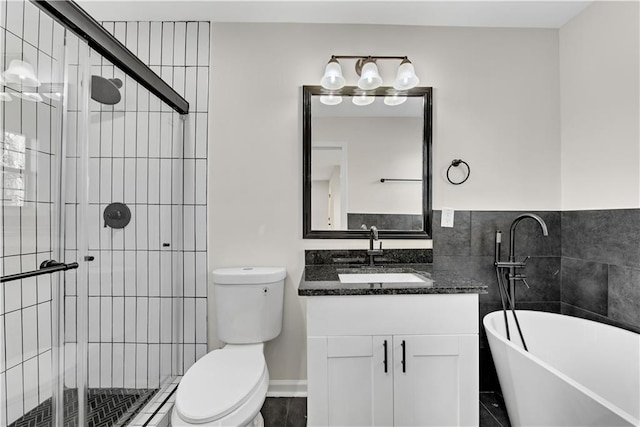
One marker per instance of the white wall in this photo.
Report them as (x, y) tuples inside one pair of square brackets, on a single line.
[(378, 147), (496, 105), (320, 205), (599, 74)]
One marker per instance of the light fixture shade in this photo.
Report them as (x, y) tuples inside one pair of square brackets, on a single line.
[(54, 96), (369, 77), (331, 99), (363, 99), (406, 77), (332, 78), (21, 72), (393, 100), (30, 96)]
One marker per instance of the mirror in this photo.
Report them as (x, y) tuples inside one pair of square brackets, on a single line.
[(367, 161)]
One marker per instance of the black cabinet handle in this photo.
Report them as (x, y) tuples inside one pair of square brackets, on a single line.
[(404, 356), (385, 356)]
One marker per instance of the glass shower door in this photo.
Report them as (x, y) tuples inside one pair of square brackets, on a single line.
[(124, 315), (78, 135), (31, 157)]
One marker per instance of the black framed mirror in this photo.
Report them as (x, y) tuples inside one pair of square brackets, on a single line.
[(366, 161)]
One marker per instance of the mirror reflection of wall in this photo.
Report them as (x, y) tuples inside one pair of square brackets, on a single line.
[(378, 143), (329, 186)]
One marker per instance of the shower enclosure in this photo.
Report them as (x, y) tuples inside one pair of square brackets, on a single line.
[(92, 344)]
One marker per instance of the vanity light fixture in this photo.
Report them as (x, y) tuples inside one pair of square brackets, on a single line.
[(362, 99), (332, 78), (30, 96), (21, 72), (54, 96), (395, 99), (52, 91), (406, 77), (331, 99), (369, 76), (367, 69)]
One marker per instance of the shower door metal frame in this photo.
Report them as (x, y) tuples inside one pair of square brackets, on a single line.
[(77, 20)]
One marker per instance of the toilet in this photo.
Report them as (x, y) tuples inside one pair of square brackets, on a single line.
[(227, 387)]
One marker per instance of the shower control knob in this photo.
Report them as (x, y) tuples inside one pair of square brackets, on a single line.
[(116, 215)]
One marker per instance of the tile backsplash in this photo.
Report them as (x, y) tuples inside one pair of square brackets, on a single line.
[(360, 257)]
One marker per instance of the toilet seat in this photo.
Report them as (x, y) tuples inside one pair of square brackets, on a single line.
[(220, 382)]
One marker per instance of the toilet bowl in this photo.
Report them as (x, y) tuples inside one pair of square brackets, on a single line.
[(226, 387)]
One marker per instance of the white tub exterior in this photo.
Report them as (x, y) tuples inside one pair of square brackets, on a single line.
[(576, 373)]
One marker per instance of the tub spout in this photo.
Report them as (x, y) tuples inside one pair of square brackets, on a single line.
[(512, 232)]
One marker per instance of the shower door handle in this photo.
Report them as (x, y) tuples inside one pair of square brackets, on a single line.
[(47, 267)]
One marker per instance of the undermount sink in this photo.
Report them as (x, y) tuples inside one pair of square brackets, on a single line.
[(380, 278)]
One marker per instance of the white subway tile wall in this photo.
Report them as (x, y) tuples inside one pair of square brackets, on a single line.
[(28, 161), (147, 301)]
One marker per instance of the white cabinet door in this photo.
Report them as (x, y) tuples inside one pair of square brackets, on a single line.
[(348, 385), (435, 380)]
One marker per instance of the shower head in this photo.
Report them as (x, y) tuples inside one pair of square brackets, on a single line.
[(105, 91)]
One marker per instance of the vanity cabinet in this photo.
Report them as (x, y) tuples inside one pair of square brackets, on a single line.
[(382, 360)]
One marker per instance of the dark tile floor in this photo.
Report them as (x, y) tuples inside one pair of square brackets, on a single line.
[(285, 412), (291, 411), (493, 412)]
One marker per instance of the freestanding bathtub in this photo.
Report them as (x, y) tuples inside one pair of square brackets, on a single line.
[(576, 373)]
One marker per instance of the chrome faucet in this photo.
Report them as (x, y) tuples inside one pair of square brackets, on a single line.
[(373, 236)]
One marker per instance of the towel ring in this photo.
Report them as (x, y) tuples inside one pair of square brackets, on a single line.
[(456, 163)]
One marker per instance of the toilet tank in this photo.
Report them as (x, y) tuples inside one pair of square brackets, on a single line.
[(248, 303)]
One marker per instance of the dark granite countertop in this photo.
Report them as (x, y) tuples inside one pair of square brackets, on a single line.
[(322, 280)]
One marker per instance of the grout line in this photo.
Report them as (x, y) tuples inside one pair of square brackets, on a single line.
[(135, 198), (21, 230)]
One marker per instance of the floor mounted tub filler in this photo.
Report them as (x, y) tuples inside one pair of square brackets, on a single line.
[(576, 373)]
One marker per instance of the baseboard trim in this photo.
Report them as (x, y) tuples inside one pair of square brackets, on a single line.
[(287, 388)]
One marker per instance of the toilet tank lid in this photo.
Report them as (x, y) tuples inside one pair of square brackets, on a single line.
[(248, 275)]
